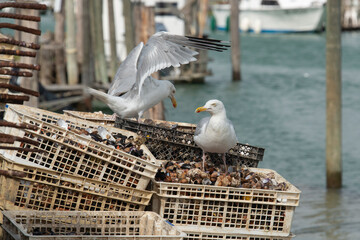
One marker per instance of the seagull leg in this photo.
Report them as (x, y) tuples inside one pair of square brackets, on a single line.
[(139, 116), (223, 158), (203, 160)]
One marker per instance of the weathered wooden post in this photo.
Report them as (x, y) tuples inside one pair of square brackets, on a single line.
[(97, 40), (333, 94), (30, 82), (79, 31), (71, 59), (113, 59), (87, 76), (129, 25), (235, 40), (59, 14), (202, 16)]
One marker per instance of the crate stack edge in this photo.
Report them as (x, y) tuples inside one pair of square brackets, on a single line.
[(57, 225), (203, 208), (70, 152)]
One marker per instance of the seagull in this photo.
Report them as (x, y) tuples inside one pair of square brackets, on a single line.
[(133, 90), (215, 134)]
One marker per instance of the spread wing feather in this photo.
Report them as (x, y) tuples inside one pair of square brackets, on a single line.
[(125, 76), (164, 50)]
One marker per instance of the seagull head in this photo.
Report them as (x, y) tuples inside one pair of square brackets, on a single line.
[(172, 92), (212, 106)]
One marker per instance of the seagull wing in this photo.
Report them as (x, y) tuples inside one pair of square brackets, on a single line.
[(232, 130), (164, 50), (125, 76), (201, 126)]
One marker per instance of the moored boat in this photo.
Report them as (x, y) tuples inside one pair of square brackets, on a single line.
[(274, 16)]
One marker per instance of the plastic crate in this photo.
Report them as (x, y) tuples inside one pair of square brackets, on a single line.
[(97, 117), (175, 141), (68, 152), (54, 225), (203, 208), (43, 189), (226, 236)]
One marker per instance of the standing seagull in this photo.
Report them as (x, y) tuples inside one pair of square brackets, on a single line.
[(133, 90), (216, 133)]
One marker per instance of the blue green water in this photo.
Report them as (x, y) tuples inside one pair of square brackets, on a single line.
[(280, 105)]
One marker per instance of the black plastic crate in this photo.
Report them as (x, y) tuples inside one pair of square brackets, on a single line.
[(175, 141)]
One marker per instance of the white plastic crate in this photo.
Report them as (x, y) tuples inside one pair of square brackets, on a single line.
[(69, 152), (202, 208), (42, 189), (55, 225), (97, 117)]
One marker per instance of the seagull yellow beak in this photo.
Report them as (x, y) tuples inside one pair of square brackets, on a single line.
[(173, 100), (200, 109)]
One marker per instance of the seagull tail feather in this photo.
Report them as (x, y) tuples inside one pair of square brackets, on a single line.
[(99, 95)]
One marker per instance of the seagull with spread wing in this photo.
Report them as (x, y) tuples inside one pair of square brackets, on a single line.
[(133, 90)]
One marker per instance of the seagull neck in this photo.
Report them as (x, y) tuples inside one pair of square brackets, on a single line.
[(219, 115)]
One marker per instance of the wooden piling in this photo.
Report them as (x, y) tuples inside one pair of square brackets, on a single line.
[(98, 40), (333, 94), (59, 33), (235, 40), (30, 82), (87, 76), (129, 25), (113, 53), (79, 32), (71, 59)]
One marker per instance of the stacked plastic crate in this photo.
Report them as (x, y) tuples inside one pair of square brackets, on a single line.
[(202, 211), (212, 212), (72, 171), (56, 225)]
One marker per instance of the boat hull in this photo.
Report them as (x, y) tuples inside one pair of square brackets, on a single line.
[(273, 20)]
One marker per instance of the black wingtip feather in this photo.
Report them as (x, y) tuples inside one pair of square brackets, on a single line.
[(208, 39), (210, 44)]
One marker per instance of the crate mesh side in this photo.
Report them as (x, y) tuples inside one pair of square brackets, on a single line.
[(89, 224), (166, 150), (179, 137), (67, 153), (227, 214), (43, 189)]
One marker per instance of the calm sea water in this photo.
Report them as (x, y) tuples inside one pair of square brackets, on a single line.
[(280, 105)]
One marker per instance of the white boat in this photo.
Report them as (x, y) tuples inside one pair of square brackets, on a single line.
[(274, 16)]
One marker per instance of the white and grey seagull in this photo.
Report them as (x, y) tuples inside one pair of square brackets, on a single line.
[(215, 134), (133, 90)]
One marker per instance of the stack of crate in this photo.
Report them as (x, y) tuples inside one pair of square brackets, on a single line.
[(211, 212), (56, 225), (68, 157), (80, 174), (72, 172)]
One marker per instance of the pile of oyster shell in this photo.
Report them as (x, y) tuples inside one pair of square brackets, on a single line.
[(119, 141), (192, 173)]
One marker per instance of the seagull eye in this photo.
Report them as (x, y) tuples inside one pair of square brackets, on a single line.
[(214, 104)]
